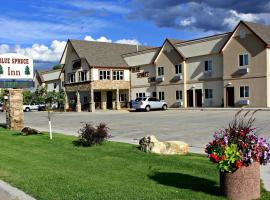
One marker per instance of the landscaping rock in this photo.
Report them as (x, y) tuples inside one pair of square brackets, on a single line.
[(29, 131), (152, 145)]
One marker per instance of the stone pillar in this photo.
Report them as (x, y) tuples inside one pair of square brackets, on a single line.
[(91, 101), (78, 104), (14, 110), (66, 102), (103, 100), (194, 97), (184, 92), (117, 103)]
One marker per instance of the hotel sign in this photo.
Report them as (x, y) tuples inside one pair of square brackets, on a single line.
[(15, 66)]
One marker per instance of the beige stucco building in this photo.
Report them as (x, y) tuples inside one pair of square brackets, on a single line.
[(230, 69)]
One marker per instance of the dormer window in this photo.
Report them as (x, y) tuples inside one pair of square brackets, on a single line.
[(76, 64), (243, 60)]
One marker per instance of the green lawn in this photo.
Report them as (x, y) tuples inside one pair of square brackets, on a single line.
[(57, 169)]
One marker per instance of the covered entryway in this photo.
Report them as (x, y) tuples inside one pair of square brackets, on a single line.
[(230, 96), (190, 98), (109, 100)]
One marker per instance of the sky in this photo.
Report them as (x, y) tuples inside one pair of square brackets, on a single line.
[(40, 28)]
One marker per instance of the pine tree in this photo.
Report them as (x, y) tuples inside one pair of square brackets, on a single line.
[(1, 70), (27, 70)]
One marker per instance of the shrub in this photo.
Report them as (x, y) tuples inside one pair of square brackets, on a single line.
[(91, 135), (238, 145)]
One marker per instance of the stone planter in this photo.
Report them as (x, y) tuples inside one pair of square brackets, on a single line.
[(243, 184)]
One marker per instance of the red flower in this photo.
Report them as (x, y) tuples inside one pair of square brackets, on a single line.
[(242, 133), (238, 164), (214, 157), (222, 157)]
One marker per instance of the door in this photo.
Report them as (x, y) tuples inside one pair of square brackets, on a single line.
[(190, 98), (230, 96), (97, 100), (109, 100), (198, 94)]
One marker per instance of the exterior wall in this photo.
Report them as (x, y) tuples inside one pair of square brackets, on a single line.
[(256, 77), (170, 93), (148, 90), (50, 85), (195, 67)]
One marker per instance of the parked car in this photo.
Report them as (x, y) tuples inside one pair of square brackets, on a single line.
[(149, 103), (28, 108), (1, 107)]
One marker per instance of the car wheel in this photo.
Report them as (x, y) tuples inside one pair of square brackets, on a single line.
[(164, 107), (147, 108), (27, 109)]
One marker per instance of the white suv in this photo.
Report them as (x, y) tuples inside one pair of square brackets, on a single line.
[(149, 103)]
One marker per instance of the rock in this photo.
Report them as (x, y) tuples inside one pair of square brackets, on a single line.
[(152, 145), (29, 131)]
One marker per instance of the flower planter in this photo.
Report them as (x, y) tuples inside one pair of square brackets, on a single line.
[(243, 184)]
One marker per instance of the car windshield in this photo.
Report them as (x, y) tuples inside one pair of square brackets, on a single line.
[(140, 99)]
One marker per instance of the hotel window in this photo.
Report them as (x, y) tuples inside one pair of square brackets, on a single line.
[(208, 93), (208, 65), (243, 60), (76, 64), (244, 91), (118, 75), (54, 85), (104, 75), (178, 94), (178, 69), (161, 96), (123, 97), (160, 71), (82, 76), (140, 94), (71, 77), (154, 94)]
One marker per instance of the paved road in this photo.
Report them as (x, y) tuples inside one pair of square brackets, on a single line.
[(192, 126)]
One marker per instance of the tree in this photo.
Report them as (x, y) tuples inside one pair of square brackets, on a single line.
[(1, 70), (58, 66), (27, 70), (27, 97)]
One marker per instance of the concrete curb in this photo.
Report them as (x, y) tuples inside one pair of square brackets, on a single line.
[(8, 192)]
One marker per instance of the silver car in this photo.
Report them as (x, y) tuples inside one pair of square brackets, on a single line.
[(149, 103)]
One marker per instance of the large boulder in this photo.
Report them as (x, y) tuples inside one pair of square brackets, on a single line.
[(29, 131), (151, 144)]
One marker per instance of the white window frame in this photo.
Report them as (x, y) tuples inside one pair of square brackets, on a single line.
[(161, 95), (118, 75), (70, 80), (80, 76), (209, 69), (160, 71), (177, 67), (140, 94), (212, 93), (178, 93), (104, 75), (244, 86), (123, 97), (244, 64)]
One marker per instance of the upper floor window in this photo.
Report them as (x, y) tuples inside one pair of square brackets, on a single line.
[(243, 60), (178, 69), (82, 76), (71, 77), (118, 75), (161, 96), (76, 64), (179, 95), (208, 65), (54, 85), (244, 91), (160, 71), (104, 75), (208, 93)]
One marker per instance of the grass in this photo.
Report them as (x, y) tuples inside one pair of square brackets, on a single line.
[(57, 169)]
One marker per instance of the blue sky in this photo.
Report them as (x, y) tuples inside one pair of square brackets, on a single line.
[(39, 28)]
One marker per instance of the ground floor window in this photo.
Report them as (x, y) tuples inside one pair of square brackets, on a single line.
[(178, 94), (208, 93), (140, 94), (123, 98), (161, 96), (154, 94), (244, 91)]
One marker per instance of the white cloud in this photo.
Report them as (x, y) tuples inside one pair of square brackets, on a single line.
[(128, 41), (4, 48), (105, 39), (101, 39), (235, 17)]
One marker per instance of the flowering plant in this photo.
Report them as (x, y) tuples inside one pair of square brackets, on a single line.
[(238, 145)]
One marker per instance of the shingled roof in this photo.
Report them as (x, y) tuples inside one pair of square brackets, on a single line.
[(263, 31), (104, 54)]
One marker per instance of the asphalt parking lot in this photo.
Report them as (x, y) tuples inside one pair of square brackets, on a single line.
[(192, 126)]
